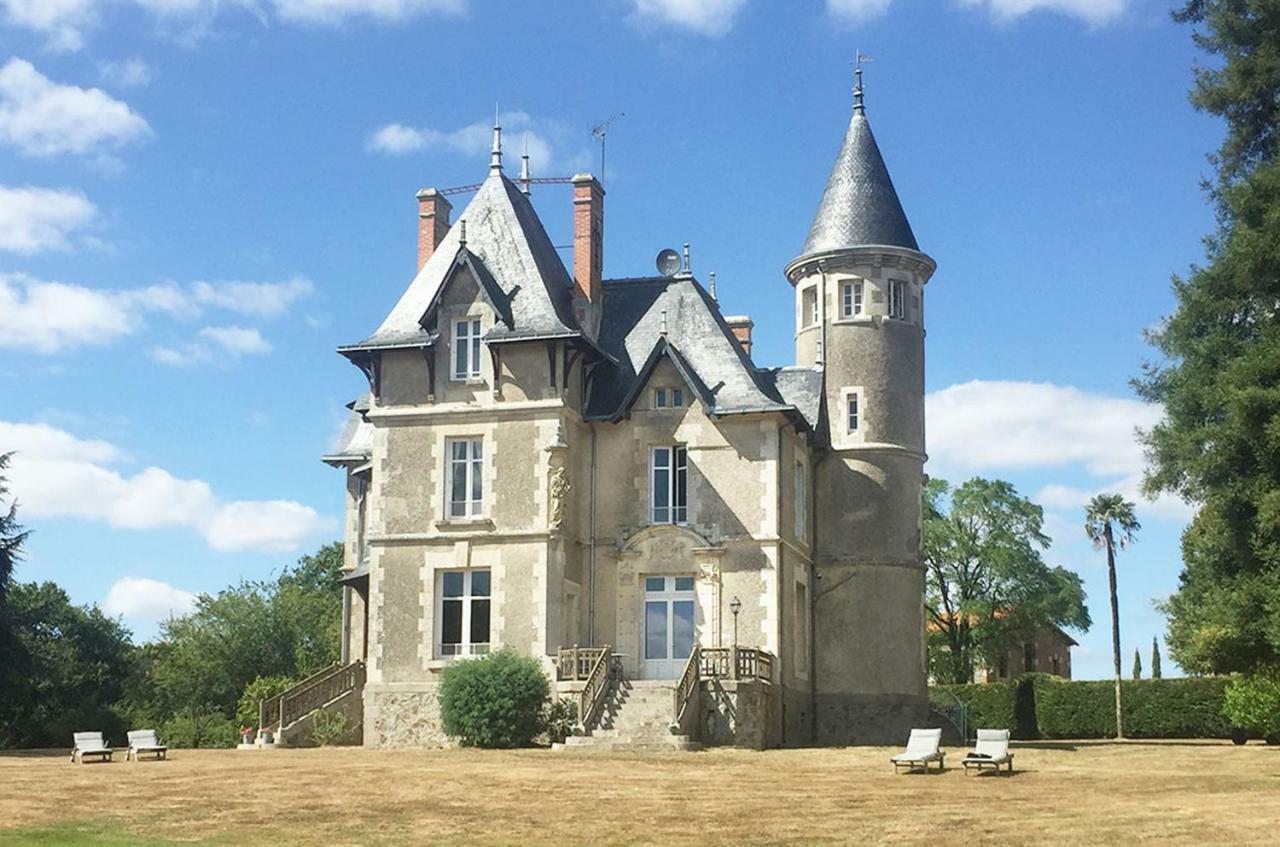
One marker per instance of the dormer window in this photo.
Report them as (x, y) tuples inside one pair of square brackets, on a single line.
[(466, 349), (668, 398)]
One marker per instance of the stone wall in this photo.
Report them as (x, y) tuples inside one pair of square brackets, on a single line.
[(404, 715)]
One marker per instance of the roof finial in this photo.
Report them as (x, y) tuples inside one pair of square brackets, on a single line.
[(712, 284), (664, 323), (524, 167), (462, 233), (686, 269), (495, 158), (859, 59)]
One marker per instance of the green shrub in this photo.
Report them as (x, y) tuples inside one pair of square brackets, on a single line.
[(560, 719), (1253, 702), (991, 706), (262, 688), (328, 727), (1153, 708), (495, 701), (199, 729)]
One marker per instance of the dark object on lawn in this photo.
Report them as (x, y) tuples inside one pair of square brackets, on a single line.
[(1239, 736), (1272, 740)]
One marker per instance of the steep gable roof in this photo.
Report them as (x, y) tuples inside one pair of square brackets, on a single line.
[(697, 340), (507, 241)]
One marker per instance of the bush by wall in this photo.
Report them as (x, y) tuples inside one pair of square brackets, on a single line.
[(496, 701), (1046, 706), (199, 729), (1253, 703)]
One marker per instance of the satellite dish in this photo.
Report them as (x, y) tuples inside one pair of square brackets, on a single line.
[(668, 262)]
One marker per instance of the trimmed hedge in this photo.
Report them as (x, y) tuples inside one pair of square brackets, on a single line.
[(1046, 706)]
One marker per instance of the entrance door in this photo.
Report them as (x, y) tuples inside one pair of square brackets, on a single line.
[(668, 625)]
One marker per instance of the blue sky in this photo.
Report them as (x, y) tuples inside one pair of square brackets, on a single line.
[(199, 200)]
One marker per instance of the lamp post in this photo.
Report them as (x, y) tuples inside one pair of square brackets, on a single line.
[(735, 606)]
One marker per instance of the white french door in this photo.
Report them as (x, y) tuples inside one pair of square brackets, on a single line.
[(669, 626)]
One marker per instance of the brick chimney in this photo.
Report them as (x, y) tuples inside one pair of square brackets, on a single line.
[(433, 222), (588, 249), (741, 326)]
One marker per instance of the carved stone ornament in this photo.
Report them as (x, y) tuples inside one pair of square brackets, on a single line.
[(558, 488)]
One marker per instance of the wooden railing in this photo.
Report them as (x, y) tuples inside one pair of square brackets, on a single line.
[(596, 686), (687, 686), (310, 694), (576, 662), (736, 663)]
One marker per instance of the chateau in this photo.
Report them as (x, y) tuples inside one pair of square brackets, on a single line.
[(594, 472)]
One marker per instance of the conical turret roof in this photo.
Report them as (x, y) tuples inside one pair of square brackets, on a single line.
[(860, 207)]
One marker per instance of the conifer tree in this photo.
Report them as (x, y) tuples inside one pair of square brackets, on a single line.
[(1137, 665), (1155, 658)]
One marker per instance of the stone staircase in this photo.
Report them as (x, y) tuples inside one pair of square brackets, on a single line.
[(637, 716)]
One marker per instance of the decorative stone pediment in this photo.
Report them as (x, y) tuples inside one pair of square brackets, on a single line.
[(667, 543)]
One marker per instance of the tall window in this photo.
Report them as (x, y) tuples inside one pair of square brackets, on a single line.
[(897, 300), (800, 657), (809, 306), (851, 299), (463, 612), (670, 485), (466, 477), (1029, 657), (801, 491), (466, 348), (852, 404)]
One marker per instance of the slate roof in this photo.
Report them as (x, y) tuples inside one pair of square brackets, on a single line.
[(860, 207), (505, 239), (355, 443), (797, 386), (697, 341)]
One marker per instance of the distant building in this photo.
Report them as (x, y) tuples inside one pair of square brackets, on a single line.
[(1048, 651), (560, 463)]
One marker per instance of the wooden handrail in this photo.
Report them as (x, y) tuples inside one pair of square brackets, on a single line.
[(687, 686), (596, 687)]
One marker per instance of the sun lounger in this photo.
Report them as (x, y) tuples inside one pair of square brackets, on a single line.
[(992, 751), (89, 744), (922, 748), (143, 742)]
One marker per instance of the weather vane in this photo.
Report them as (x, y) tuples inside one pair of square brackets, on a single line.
[(858, 60)]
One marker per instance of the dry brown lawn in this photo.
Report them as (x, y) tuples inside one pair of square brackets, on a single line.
[(1088, 793)]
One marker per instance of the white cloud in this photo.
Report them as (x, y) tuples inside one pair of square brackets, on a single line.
[(334, 12), (237, 340), (62, 21), (983, 427), (49, 317), (706, 17), (44, 118), (519, 130), (147, 599), (126, 73), (857, 11), (55, 474), (37, 219), (1095, 12), (259, 299)]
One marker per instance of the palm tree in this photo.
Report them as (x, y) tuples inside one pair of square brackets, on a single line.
[(1109, 521)]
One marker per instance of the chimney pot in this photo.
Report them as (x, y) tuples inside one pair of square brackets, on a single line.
[(741, 326), (433, 222)]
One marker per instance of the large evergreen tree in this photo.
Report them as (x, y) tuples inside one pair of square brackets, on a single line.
[(1219, 381), (12, 535)]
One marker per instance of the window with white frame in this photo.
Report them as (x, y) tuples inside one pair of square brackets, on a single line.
[(852, 411), (809, 306), (465, 477), (669, 485), (668, 398), (801, 493), (851, 299), (462, 608), (897, 300), (466, 349)]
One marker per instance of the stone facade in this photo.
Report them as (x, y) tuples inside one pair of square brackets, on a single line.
[(543, 463)]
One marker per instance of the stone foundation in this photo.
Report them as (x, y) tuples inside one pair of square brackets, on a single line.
[(884, 720), (740, 714), (403, 715)]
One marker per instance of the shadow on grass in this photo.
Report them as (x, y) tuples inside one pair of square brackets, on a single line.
[(73, 834)]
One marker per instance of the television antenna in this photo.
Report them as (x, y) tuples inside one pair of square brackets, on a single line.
[(599, 131)]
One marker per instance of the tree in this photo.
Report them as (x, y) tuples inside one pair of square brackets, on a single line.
[(1109, 522), (1220, 350), (12, 535), (1155, 658), (1137, 665), (71, 666), (986, 584)]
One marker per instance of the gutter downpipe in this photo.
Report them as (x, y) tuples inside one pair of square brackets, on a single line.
[(591, 561)]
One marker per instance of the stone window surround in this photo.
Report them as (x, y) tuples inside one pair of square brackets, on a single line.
[(672, 484), (800, 503), (468, 600), (475, 509), (664, 397), (475, 327), (846, 435), (852, 292), (808, 308)]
